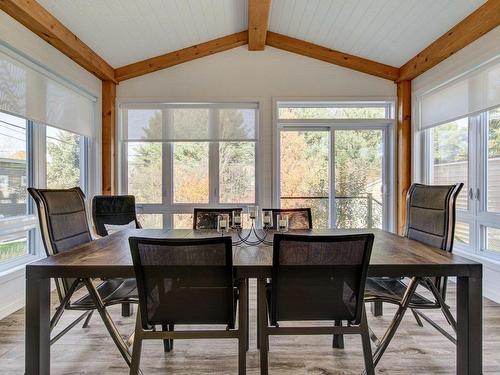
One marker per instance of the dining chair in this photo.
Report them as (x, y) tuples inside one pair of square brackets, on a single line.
[(188, 281), (64, 226), (116, 210), (316, 278), (298, 218), (206, 218), (430, 219), (113, 210)]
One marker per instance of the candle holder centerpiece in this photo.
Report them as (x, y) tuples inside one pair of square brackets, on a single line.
[(256, 235)]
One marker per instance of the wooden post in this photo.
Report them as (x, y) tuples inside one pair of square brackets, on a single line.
[(108, 137), (403, 151)]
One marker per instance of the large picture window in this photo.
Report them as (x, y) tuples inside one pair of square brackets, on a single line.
[(178, 156)]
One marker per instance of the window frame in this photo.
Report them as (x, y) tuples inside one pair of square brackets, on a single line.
[(37, 176), (477, 216), (167, 208), (385, 124)]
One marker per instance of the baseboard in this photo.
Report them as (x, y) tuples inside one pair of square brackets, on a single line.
[(11, 308)]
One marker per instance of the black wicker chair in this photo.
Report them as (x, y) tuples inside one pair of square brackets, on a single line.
[(430, 220), (206, 218), (316, 278), (187, 281), (64, 226)]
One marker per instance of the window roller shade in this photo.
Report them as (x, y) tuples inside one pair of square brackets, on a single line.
[(477, 91), (193, 123), (29, 93)]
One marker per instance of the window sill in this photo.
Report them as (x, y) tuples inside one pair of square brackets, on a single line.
[(15, 267), (488, 262)]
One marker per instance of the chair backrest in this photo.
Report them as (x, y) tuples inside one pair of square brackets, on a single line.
[(298, 218), (113, 209), (430, 214), (63, 223), (206, 218), (319, 277), (430, 218), (184, 281)]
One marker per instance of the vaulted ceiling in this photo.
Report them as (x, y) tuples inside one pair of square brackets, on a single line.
[(386, 31)]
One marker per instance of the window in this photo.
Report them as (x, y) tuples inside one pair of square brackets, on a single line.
[(47, 127), (64, 159), (16, 228), (332, 157), (65, 162), (178, 156), (13, 166), (450, 156), (459, 125)]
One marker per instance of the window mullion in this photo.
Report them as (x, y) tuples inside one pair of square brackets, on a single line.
[(167, 169), (213, 158)]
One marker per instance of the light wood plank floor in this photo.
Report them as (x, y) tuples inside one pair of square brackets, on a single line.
[(415, 350)]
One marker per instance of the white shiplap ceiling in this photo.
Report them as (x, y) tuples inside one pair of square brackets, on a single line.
[(388, 31)]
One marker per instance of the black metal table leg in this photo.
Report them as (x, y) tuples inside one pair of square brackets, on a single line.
[(37, 345), (469, 326)]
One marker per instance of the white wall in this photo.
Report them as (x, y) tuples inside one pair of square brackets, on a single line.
[(483, 49), (239, 74), (24, 41)]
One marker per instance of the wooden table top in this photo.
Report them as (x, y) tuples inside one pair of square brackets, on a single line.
[(392, 255)]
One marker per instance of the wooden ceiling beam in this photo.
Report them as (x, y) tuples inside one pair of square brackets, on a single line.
[(258, 23), (329, 55), (36, 18), (478, 23), (181, 56)]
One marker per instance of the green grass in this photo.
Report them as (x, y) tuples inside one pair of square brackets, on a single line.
[(12, 249)]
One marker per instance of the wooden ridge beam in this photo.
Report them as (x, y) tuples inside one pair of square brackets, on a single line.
[(478, 23), (258, 23), (181, 56), (329, 55), (36, 18)]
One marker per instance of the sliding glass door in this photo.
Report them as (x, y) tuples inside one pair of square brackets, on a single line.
[(359, 178), (338, 171), (305, 171)]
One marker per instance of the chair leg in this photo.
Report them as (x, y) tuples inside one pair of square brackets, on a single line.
[(444, 307), (417, 318), (171, 327), (377, 308), (137, 348), (258, 317), (108, 322), (367, 349), (87, 321), (338, 340), (243, 328), (166, 342), (398, 317), (263, 335), (60, 309), (127, 309)]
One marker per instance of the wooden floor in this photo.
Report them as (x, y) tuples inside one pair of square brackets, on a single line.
[(415, 350)]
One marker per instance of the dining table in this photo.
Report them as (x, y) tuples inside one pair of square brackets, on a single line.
[(109, 257)]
